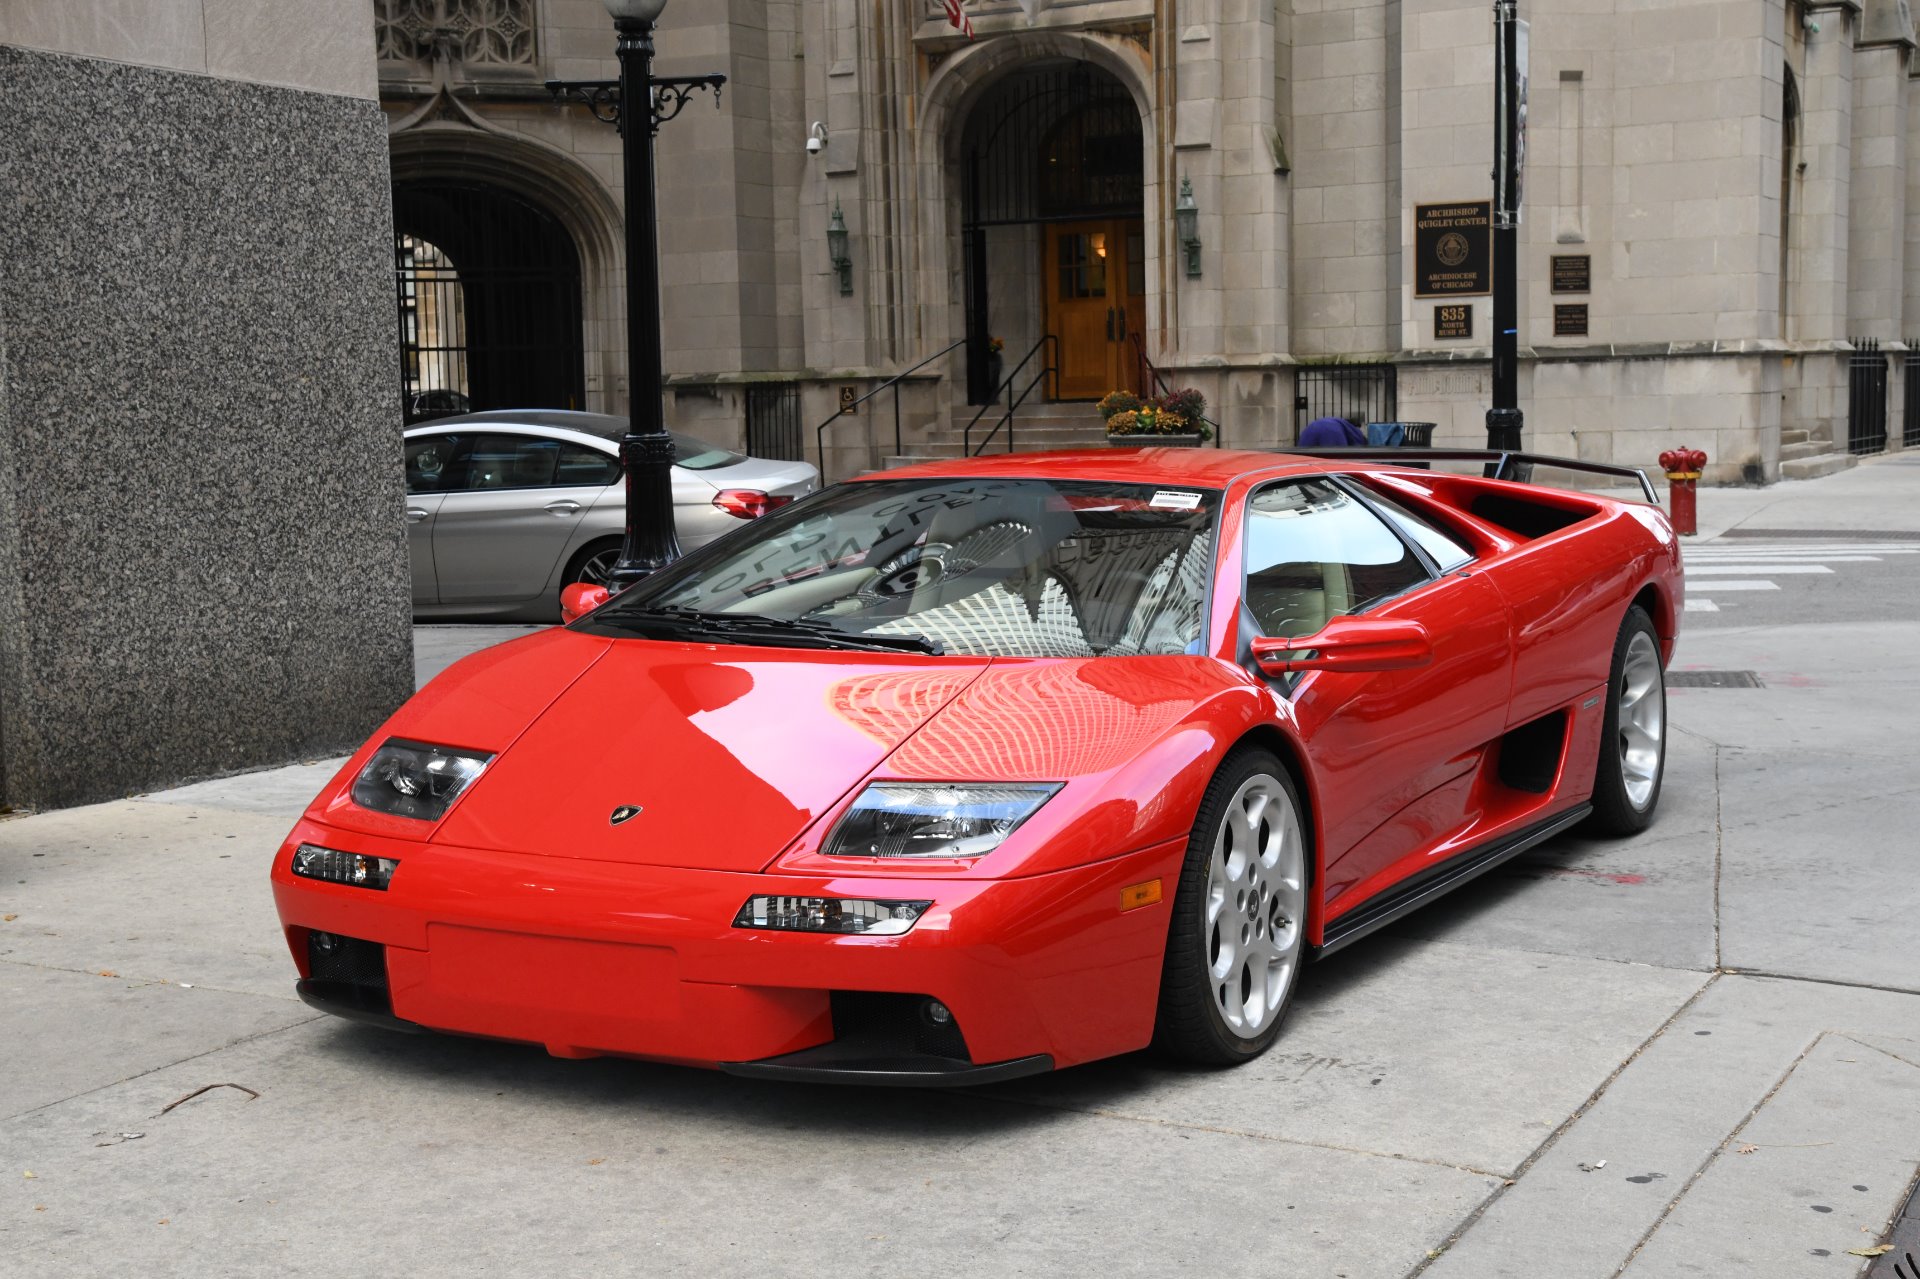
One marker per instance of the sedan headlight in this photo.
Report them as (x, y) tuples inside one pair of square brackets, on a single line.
[(940, 819), (411, 779)]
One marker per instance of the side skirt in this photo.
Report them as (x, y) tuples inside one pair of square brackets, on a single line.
[(1405, 898)]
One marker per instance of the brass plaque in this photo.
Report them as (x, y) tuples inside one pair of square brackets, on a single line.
[(1570, 320), (1573, 273), (1452, 321), (1453, 249)]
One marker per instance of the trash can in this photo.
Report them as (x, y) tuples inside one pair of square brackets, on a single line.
[(1412, 435)]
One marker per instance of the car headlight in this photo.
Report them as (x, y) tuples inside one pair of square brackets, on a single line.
[(940, 819), (412, 779)]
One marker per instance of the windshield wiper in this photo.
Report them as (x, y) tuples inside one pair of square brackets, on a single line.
[(754, 625)]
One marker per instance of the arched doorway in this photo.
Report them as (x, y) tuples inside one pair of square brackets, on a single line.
[(1053, 228), (488, 287)]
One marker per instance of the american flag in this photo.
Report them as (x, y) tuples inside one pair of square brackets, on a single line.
[(958, 17)]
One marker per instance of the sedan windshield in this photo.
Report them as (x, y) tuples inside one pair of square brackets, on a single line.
[(986, 567)]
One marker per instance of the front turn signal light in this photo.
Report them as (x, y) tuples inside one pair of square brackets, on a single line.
[(844, 915)]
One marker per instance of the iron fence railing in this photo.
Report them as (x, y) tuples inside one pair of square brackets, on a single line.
[(1867, 397), (1360, 393), (1910, 424), (773, 422)]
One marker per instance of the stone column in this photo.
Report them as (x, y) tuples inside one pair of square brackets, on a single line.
[(203, 564), (1823, 202), (1877, 192), (1346, 150), (721, 166), (1227, 141)]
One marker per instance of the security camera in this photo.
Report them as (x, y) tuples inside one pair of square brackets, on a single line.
[(816, 138)]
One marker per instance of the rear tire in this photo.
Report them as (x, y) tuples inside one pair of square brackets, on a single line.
[(1238, 933), (592, 562), (1633, 733)]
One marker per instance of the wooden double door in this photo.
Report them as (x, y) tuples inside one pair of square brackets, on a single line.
[(1096, 304)]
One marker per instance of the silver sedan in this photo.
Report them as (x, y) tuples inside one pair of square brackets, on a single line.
[(505, 508)]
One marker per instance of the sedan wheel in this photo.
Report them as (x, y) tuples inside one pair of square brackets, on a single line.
[(1238, 933), (593, 565), (1633, 737)]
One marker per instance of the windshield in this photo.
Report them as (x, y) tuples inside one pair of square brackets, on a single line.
[(986, 567)]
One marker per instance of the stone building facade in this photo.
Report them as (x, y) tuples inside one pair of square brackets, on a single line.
[(1719, 200), (202, 565)]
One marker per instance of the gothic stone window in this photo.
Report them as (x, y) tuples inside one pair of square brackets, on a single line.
[(495, 33)]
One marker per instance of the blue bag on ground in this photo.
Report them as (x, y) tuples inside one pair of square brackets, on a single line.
[(1386, 435)]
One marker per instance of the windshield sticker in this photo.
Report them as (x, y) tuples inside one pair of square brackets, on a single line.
[(1166, 500)]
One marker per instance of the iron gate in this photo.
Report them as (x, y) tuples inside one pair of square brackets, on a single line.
[(488, 288), (1360, 393), (1867, 397), (1910, 426), (773, 421)]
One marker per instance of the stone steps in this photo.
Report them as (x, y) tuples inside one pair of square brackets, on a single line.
[(1795, 451), (1036, 427), (1812, 468)]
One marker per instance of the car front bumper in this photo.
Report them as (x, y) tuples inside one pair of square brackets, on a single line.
[(598, 958)]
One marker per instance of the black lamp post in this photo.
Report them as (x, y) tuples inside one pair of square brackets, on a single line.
[(1504, 419), (647, 451)]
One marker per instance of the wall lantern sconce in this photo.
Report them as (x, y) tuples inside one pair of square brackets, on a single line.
[(837, 250), (1186, 221)]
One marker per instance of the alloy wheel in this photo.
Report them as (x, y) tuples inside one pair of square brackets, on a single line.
[(1255, 905), (1642, 719), (598, 568)]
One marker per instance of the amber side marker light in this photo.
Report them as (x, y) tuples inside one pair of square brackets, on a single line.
[(1137, 895)]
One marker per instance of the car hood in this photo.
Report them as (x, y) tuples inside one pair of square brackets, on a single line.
[(729, 753)]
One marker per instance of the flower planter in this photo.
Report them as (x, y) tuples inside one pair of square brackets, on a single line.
[(1146, 441)]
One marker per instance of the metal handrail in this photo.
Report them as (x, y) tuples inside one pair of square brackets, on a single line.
[(1050, 366), (1153, 377), (893, 383)]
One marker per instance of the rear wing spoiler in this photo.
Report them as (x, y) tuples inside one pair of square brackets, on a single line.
[(1501, 464)]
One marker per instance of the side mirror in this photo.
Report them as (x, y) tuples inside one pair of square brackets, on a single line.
[(1348, 644), (579, 599)]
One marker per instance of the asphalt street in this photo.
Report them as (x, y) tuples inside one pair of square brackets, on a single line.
[(1696, 1052)]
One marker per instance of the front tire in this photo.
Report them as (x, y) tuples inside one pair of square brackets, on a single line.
[(1633, 734), (1238, 933)]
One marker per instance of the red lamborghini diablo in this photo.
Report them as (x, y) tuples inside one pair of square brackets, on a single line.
[(976, 769)]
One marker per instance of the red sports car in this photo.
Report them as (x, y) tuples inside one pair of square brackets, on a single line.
[(976, 769)]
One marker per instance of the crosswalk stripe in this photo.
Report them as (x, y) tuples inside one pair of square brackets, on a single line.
[(1805, 548), (1701, 606), (1789, 569), (1788, 555), (1718, 585)]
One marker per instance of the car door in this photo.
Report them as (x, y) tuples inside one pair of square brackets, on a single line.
[(501, 531), (1393, 752), (429, 462)]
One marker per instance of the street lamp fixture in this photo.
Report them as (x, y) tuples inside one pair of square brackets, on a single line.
[(837, 250), (639, 102), (1186, 221)]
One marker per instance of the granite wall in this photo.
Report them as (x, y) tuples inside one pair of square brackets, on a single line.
[(203, 566)]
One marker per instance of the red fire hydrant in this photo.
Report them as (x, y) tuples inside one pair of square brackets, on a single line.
[(1683, 473)]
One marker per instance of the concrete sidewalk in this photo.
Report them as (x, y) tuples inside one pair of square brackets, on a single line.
[(1696, 1052)]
